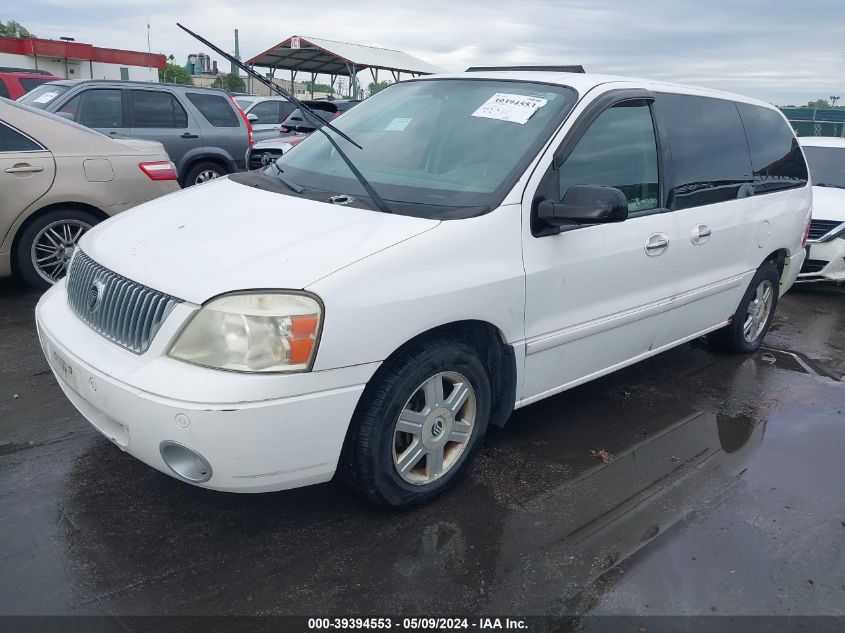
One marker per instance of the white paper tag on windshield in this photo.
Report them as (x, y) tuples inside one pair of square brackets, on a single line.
[(47, 96), (398, 125), (509, 107)]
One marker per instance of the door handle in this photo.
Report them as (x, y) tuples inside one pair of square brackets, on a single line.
[(189, 135), (656, 244), (700, 234), (23, 169)]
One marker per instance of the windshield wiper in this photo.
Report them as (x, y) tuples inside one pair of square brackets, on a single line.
[(376, 198), (828, 184), (287, 183)]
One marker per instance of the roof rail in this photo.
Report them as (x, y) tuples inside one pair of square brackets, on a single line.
[(576, 68), (31, 71)]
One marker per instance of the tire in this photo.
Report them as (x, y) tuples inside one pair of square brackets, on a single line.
[(375, 448), (58, 230), (734, 338), (202, 172)]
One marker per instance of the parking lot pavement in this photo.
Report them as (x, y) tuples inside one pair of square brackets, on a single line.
[(722, 493)]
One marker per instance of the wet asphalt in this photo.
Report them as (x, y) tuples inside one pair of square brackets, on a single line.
[(722, 494)]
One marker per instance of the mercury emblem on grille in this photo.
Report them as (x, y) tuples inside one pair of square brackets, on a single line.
[(95, 294)]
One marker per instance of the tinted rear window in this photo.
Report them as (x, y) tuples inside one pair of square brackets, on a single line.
[(710, 159), (157, 109), (775, 154), (218, 110), (29, 83)]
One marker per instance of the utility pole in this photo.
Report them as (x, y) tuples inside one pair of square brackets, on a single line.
[(149, 49)]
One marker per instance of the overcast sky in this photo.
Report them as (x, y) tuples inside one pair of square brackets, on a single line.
[(784, 52)]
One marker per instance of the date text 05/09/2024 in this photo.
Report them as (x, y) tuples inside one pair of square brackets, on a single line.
[(418, 624)]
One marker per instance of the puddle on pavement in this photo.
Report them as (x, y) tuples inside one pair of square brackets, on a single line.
[(589, 525), (795, 362)]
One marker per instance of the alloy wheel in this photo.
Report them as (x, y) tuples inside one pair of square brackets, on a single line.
[(434, 428), (205, 175), (759, 309), (53, 246)]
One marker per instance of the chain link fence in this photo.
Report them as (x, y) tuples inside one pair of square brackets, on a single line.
[(815, 122)]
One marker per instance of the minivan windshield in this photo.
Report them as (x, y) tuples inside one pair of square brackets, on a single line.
[(439, 143), (41, 96), (827, 165)]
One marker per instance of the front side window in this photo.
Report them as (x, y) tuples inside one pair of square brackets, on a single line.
[(618, 150), (157, 109), (439, 145), (710, 159), (775, 154), (217, 110), (99, 108), (13, 141)]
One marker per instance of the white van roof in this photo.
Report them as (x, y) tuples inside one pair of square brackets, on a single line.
[(584, 82)]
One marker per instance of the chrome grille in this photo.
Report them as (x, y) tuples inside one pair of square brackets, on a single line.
[(820, 228), (123, 311)]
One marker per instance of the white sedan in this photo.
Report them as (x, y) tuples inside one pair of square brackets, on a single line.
[(826, 159)]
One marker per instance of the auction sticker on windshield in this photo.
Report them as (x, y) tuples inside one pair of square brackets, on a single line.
[(46, 97), (510, 107)]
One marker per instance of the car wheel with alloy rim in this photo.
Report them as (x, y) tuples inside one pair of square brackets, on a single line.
[(44, 249), (418, 423), (751, 321), (202, 172)]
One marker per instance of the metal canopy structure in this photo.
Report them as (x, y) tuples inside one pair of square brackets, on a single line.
[(319, 56)]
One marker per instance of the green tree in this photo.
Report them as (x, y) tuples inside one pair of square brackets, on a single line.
[(820, 104), (318, 87), (231, 82), (14, 29), (174, 74), (377, 87)]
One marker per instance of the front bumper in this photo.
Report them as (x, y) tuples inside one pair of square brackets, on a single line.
[(288, 433), (826, 262)]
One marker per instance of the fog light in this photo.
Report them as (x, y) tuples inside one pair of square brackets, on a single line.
[(187, 464)]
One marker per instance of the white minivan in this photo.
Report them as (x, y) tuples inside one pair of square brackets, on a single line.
[(472, 243)]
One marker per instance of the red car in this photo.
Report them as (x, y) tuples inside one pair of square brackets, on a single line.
[(15, 82)]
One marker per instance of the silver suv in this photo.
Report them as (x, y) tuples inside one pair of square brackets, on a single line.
[(202, 129)]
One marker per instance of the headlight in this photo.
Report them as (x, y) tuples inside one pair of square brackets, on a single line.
[(252, 332)]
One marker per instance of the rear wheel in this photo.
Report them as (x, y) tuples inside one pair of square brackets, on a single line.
[(752, 319), (44, 248), (203, 171), (418, 423)]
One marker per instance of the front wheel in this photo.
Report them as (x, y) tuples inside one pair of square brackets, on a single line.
[(752, 319), (418, 423)]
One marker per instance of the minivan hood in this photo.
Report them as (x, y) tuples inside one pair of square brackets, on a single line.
[(829, 204), (224, 236)]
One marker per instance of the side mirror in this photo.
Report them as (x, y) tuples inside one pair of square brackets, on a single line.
[(585, 204), (252, 118)]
